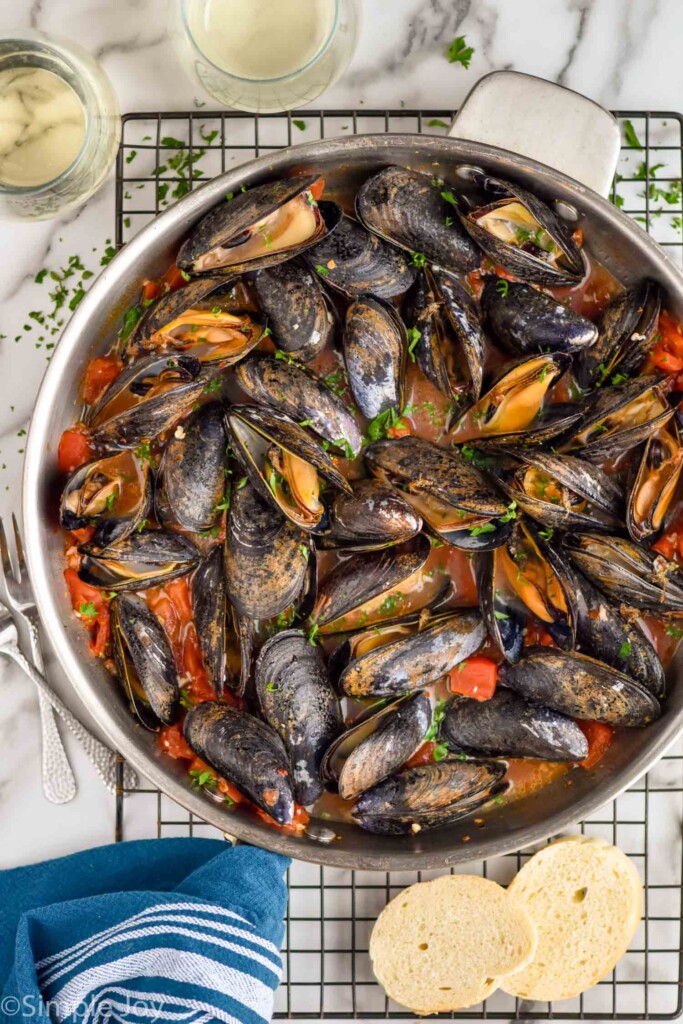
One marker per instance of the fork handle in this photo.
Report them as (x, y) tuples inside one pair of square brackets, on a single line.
[(103, 759)]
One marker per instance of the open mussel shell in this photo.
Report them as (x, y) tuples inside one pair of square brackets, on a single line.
[(454, 499), (459, 310), (266, 557), (376, 745), (604, 633), (504, 614), (627, 328), (303, 396), (375, 348), (259, 228), (282, 461), (191, 479), (518, 230), (409, 209), (627, 572), (369, 588), (581, 687), (246, 752), (299, 315), (551, 425), (144, 662), (210, 610), (144, 559), (428, 796), (145, 400), (562, 492), (113, 494), (298, 700), (508, 725), (354, 262), (616, 419), (655, 483), (414, 661), (525, 320), (373, 517)]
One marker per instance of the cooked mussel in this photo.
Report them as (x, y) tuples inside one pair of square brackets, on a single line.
[(210, 611), (453, 498), (144, 559), (354, 262), (375, 348), (581, 687), (259, 227), (299, 315), (191, 480), (526, 321), (428, 796), (303, 396), (508, 725), (618, 418), (437, 351), (655, 483), (266, 557), (374, 516), (518, 230), (416, 213), (298, 700), (113, 494), (282, 461), (146, 400), (246, 752), (144, 662), (627, 327), (376, 745), (458, 310), (414, 661), (627, 572)]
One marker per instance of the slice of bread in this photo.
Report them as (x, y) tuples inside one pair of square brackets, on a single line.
[(445, 945), (586, 899)]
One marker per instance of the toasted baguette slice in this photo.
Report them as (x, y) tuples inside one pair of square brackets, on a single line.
[(444, 945), (586, 899)]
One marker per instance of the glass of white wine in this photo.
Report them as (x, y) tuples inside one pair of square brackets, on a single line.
[(265, 56), (59, 126)]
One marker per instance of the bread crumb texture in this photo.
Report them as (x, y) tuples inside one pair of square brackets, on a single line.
[(446, 944), (585, 899)]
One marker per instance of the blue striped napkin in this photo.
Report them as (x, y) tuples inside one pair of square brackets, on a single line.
[(181, 930)]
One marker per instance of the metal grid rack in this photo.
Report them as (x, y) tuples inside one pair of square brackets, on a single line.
[(331, 911)]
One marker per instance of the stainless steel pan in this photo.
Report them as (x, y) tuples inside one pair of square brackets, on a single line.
[(345, 163)]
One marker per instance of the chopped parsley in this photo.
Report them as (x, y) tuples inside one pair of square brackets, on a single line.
[(449, 197), (213, 385), (510, 514), (382, 423), (437, 719), (130, 320), (436, 123), (301, 125), (503, 287), (88, 610), (484, 528), (630, 135), (439, 752), (460, 53), (202, 778), (336, 382), (144, 451), (625, 649), (500, 615), (271, 687), (418, 259), (185, 699), (547, 533), (323, 271), (414, 338), (313, 634)]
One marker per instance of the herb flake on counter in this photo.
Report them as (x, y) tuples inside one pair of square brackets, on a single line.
[(459, 52), (436, 122), (301, 125), (630, 135)]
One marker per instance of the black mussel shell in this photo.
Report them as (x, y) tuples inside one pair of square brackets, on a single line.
[(113, 494), (427, 796), (551, 425), (303, 396), (144, 662), (409, 209), (376, 745), (299, 315), (242, 233), (458, 308), (210, 610), (627, 327), (373, 517), (617, 419), (144, 559), (525, 320), (246, 752), (355, 262), (581, 687), (298, 700), (655, 483), (437, 351), (191, 480), (508, 725), (505, 617), (413, 662), (375, 348), (537, 246)]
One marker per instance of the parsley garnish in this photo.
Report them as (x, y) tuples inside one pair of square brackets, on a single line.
[(439, 752), (449, 197), (88, 610), (323, 271), (313, 634), (436, 123), (414, 337), (213, 385), (418, 259), (503, 288), (437, 719), (202, 779), (500, 615), (382, 423), (141, 525), (630, 135), (625, 649), (484, 528), (144, 451), (130, 319), (301, 125), (459, 52), (510, 514), (547, 533), (271, 687)]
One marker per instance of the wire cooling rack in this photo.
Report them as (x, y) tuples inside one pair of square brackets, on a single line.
[(331, 911)]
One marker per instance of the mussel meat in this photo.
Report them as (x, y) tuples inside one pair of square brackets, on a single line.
[(627, 327), (191, 480), (375, 348), (113, 494), (527, 321), (144, 662), (374, 516), (148, 558), (655, 482), (299, 315), (618, 418)]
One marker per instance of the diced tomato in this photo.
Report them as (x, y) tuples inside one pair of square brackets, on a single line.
[(536, 636), (85, 599), (423, 755), (317, 188), (75, 449), (599, 738), (666, 544), (150, 290), (297, 824), (101, 372), (172, 604), (173, 278), (577, 235), (82, 536), (475, 677), (174, 743), (667, 352), (400, 429)]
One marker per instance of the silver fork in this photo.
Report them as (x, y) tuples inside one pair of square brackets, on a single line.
[(103, 759)]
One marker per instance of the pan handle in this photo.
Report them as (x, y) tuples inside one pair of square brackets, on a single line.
[(547, 122)]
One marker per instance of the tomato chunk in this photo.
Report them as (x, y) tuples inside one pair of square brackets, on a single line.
[(297, 824), (101, 372), (174, 743), (75, 449), (400, 429), (599, 738), (667, 352), (475, 677), (423, 755), (173, 278), (92, 607), (666, 544), (150, 290)]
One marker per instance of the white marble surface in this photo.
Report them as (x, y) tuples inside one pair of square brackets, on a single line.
[(622, 53)]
